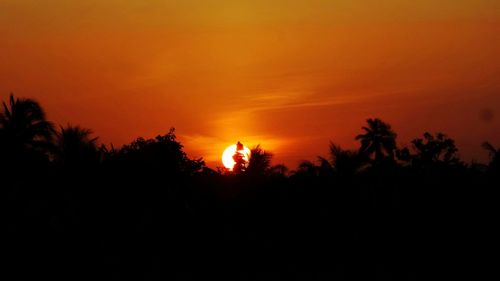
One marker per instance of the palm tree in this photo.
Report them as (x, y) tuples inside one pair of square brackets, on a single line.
[(494, 155), (23, 127), (260, 161), (76, 146), (325, 168), (345, 162), (379, 140)]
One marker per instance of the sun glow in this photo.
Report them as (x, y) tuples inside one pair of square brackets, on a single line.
[(227, 156)]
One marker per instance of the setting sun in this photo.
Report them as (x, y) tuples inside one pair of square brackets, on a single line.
[(227, 156)]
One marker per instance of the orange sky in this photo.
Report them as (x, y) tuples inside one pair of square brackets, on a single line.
[(291, 75)]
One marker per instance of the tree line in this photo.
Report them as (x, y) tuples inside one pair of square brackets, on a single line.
[(77, 209)]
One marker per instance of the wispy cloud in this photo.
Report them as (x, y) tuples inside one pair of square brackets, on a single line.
[(291, 100)]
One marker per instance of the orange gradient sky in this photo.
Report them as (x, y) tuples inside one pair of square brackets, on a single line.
[(291, 75)]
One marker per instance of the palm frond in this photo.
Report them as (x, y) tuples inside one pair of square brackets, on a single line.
[(490, 148)]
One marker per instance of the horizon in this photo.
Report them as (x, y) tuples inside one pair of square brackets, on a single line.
[(289, 75), (397, 154)]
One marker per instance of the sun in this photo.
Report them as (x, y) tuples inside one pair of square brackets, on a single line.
[(227, 156)]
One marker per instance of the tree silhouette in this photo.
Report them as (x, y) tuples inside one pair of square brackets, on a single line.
[(240, 163), (163, 153), (150, 196), (345, 162), (325, 168), (24, 130), (76, 147), (307, 168), (279, 170), (260, 161), (434, 149), (379, 140), (494, 156), (341, 163)]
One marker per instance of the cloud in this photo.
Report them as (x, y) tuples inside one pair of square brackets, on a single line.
[(294, 100)]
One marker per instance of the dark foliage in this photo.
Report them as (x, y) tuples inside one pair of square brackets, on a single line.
[(434, 150), (146, 211), (240, 162), (378, 140), (76, 148), (25, 134)]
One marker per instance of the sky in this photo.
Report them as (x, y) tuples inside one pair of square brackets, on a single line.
[(289, 75)]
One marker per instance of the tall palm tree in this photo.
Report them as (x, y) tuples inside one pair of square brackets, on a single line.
[(24, 127), (76, 146), (379, 140)]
